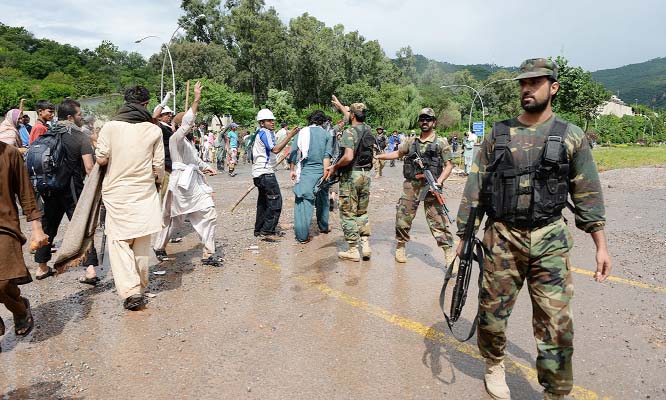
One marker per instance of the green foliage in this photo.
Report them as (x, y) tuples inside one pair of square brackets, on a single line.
[(281, 102), (578, 94), (217, 99)]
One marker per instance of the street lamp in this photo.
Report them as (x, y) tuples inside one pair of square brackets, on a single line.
[(173, 73), (168, 53), (477, 94)]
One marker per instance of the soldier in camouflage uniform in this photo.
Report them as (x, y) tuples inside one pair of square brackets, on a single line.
[(354, 167), (436, 155), (521, 178)]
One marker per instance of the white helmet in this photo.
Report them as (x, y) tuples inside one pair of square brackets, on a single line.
[(265, 114)]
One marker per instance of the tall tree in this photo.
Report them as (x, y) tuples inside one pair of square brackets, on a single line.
[(579, 94)]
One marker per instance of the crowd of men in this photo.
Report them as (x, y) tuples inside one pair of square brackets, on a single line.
[(154, 179)]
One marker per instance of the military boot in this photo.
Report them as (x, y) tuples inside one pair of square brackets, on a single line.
[(400, 253), (351, 254), (449, 256), (495, 381), (552, 396), (365, 247)]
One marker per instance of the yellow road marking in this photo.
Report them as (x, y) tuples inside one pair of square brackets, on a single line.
[(434, 335), (622, 280)]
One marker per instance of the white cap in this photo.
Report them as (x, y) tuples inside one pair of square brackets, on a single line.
[(165, 110), (265, 114)]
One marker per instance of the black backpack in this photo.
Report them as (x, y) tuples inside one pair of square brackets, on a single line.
[(366, 141), (45, 161)]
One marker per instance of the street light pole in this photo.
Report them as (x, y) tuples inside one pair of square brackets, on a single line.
[(173, 73), (477, 95), (168, 54)]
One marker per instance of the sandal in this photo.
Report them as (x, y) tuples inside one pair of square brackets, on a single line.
[(51, 272), (89, 281), (161, 255), (176, 240), (24, 326), (134, 302), (213, 261)]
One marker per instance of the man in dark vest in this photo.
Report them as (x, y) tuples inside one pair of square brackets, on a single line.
[(436, 156), (521, 178), (354, 166), (380, 146)]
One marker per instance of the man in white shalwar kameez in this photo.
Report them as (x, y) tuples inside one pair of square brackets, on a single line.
[(188, 195), (132, 150)]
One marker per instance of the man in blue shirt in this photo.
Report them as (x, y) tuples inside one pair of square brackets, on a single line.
[(269, 200)]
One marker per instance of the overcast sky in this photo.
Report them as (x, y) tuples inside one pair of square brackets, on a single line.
[(593, 34)]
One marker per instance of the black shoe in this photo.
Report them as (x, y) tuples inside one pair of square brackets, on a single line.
[(134, 302), (2, 327), (161, 255), (213, 261)]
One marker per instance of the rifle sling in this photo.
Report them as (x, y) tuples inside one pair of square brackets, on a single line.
[(478, 256)]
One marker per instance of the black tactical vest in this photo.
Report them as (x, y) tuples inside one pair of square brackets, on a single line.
[(431, 157), (548, 180)]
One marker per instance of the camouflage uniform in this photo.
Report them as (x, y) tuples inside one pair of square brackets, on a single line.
[(354, 194), (409, 201), (539, 256)]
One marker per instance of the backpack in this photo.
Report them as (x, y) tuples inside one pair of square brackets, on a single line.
[(45, 161), (364, 152)]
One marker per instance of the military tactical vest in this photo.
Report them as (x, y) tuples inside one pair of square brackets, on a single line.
[(432, 160), (548, 180)]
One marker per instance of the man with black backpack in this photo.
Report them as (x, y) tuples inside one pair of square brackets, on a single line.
[(354, 166), (70, 153)]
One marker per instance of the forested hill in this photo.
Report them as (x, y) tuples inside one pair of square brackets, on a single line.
[(644, 81), (479, 71)]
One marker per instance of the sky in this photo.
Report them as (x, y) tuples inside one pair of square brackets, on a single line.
[(590, 33)]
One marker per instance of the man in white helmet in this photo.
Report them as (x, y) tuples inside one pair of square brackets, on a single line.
[(269, 201)]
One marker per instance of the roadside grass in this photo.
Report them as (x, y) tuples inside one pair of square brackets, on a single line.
[(618, 157)]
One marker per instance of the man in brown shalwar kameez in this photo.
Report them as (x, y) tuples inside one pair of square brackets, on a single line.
[(132, 150), (15, 184)]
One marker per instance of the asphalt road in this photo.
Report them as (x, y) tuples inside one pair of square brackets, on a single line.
[(286, 321)]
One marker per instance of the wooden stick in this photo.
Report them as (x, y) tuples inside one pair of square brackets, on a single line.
[(187, 96), (280, 159)]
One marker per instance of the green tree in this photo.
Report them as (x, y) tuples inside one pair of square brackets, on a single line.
[(218, 99), (579, 94), (280, 102)]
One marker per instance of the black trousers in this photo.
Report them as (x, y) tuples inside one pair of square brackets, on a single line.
[(56, 205), (269, 204)]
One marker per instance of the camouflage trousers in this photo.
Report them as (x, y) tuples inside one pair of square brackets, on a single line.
[(539, 257), (378, 165), (354, 196), (406, 211)]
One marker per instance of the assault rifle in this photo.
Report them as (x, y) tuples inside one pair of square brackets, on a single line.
[(326, 181), (432, 187), (472, 250)]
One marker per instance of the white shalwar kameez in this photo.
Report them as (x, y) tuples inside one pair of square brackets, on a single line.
[(188, 195)]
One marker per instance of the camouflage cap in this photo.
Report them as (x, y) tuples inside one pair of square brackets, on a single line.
[(428, 111), (380, 128), (357, 108), (536, 67)]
